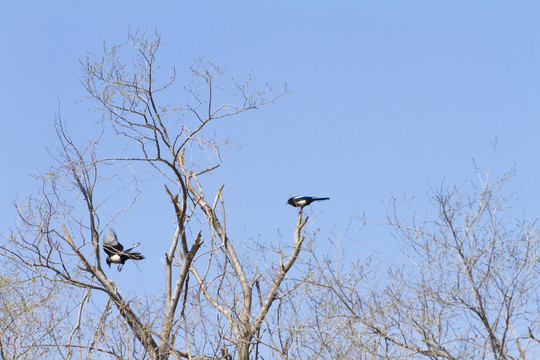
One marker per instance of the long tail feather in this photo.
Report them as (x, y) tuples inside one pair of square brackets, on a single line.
[(135, 256)]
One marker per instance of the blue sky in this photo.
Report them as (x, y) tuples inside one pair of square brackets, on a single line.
[(390, 98)]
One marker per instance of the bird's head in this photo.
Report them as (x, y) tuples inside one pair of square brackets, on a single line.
[(108, 261), (290, 201)]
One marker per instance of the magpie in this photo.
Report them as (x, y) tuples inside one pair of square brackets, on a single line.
[(115, 250), (301, 201)]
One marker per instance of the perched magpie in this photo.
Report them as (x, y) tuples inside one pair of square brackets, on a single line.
[(115, 250), (301, 201)]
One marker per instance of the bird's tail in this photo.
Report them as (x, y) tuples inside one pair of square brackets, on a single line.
[(316, 199), (135, 256)]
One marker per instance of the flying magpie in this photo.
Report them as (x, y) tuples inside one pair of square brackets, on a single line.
[(301, 201), (115, 250)]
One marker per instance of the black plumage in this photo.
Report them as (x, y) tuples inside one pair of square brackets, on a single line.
[(115, 251), (301, 201)]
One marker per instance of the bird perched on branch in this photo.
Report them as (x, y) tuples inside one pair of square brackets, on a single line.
[(301, 201), (115, 250)]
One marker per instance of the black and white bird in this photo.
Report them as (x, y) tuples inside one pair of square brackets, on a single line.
[(301, 201), (115, 250)]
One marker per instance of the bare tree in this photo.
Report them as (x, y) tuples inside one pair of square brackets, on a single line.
[(469, 288), (208, 308), (20, 329)]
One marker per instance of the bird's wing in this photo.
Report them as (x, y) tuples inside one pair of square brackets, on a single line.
[(110, 243), (133, 247), (111, 239)]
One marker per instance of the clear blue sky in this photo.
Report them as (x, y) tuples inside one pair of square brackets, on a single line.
[(389, 98)]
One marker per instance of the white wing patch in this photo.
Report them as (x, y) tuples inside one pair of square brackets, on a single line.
[(111, 239)]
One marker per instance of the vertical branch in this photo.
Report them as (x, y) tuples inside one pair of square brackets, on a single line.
[(173, 297), (236, 264), (282, 271), (84, 300)]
